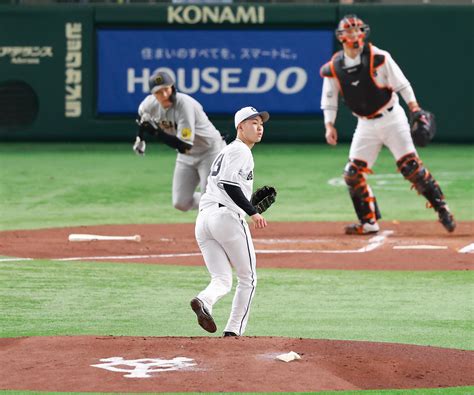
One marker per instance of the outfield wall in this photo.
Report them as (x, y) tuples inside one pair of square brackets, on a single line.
[(78, 72)]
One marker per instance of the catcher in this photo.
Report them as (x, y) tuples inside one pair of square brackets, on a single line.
[(221, 230), (369, 81)]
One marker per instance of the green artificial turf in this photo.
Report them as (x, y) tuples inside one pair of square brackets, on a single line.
[(50, 185), (65, 298)]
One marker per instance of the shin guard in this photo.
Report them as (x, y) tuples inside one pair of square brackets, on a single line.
[(413, 170), (365, 204)]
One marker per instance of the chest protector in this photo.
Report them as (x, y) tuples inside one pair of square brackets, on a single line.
[(359, 90)]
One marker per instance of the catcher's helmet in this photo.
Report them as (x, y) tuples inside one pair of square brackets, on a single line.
[(160, 80), (352, 31)]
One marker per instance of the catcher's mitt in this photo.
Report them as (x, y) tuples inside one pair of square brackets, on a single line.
[(422, 127), (263, 198)]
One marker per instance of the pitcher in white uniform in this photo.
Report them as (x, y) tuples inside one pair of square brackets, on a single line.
[(222, 231), (180, 122)]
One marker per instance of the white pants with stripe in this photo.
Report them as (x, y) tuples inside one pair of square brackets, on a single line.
[(225, 242), (391, 130)]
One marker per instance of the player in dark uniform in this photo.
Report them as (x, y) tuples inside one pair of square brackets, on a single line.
[(369, 81)]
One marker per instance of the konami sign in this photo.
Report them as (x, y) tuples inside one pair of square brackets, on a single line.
[(192, 14)]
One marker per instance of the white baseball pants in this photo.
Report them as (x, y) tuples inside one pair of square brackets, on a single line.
[(225, 242), (392, 130)]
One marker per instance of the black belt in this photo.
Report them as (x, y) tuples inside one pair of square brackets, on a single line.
[(218, 204), (380, 115)]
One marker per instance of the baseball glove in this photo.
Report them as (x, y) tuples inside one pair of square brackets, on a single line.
[(147, 125), (422, 127), (263, 198)]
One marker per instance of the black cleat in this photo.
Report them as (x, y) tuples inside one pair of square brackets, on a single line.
[(205, 320), (230, 334), (446, 219)]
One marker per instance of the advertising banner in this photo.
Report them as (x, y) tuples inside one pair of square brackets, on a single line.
[(223, 69)]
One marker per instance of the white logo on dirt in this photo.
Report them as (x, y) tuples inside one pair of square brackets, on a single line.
[(141, 368)]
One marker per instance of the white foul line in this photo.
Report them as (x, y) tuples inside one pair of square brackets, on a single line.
[(15, 259), (95, 258)]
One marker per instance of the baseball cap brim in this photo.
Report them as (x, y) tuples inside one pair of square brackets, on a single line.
[(158, 87), (249, 112), (263, 114)]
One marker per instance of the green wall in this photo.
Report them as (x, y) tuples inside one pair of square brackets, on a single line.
[(432, 44)]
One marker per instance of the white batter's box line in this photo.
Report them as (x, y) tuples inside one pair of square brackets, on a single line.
[(469, 249), (284, 241), (420, 247)]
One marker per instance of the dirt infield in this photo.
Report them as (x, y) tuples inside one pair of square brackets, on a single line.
[(224, 364), (307, 245), (212, 364)]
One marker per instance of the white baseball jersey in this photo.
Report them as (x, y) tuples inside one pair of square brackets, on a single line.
[(186, 120), (224, 237), (234, 166)]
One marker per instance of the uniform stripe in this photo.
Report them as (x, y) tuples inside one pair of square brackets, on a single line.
[(228, 182), (253, 278)]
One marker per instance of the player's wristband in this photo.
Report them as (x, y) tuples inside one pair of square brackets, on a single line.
[(238, 197)]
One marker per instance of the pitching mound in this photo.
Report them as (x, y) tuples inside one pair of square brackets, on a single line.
[(175, 364), (308, 245)]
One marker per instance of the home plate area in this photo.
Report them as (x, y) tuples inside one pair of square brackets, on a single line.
[(203, 364), (422, 245)]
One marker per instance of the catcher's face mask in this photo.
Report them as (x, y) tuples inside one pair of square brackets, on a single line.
[(352, 31)]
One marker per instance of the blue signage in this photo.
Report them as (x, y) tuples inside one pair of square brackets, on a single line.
[(223, 69)]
